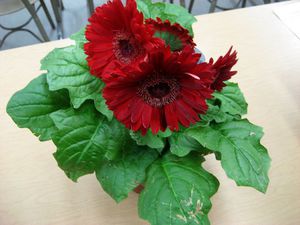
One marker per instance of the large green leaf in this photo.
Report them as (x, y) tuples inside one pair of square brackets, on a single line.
[(120, 176), (243, 158), (166, 11), (67, 68), (85, 138), (231, 99), (177, 191), (31, 107)]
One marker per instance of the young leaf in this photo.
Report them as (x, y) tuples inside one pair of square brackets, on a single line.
[(120, 176), (166, 11), (85, 139), (31, 107), (243, 158), (232, 99), (102, 107), (177, 191), (67, 68), (214, 113), (153, 141), (181, 144)]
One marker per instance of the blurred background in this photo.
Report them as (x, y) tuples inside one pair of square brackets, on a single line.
[(26, 22)]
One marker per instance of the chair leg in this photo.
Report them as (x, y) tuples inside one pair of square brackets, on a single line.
[(182, 3), (213, 5), (191, 6), (36, 19), (56, 9), (56, 6), (91, 6), (244, 3), (47, 13), (62, 5)]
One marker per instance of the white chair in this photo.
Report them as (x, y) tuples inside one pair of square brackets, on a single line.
[(12, 6)]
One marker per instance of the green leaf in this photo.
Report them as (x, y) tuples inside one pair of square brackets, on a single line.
[(122, 175), (231, 99), (181, 144), (153, 141), (243, 158), (214, 113), (79, 37), (31, 107), (75, 175), (177, 191), (85, 139), (170, 39), (144, 6), (166, 11), (67, 68), (102, 107)]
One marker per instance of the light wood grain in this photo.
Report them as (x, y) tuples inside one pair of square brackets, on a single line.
[(34, 191)]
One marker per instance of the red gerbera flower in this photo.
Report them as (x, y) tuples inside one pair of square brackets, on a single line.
[(223, 69), (168, 89), (174, 35), (117, 34)]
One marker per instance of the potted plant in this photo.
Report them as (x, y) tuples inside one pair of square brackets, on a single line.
[(133, 102)]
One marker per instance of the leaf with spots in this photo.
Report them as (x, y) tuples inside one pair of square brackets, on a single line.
[(121, 175), (31, 107), (243, 158), (177, 191)]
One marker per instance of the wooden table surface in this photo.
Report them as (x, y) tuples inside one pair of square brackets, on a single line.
[(34, 191)]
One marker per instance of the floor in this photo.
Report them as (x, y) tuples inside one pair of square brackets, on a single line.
[(75, 17)]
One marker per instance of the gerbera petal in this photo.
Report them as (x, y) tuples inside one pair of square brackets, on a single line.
[(222, 69), (155, 120), (137, 110), (146, 117), (171, 116)]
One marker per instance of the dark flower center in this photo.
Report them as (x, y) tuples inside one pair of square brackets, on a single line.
[(125, 47), (158, 91)]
